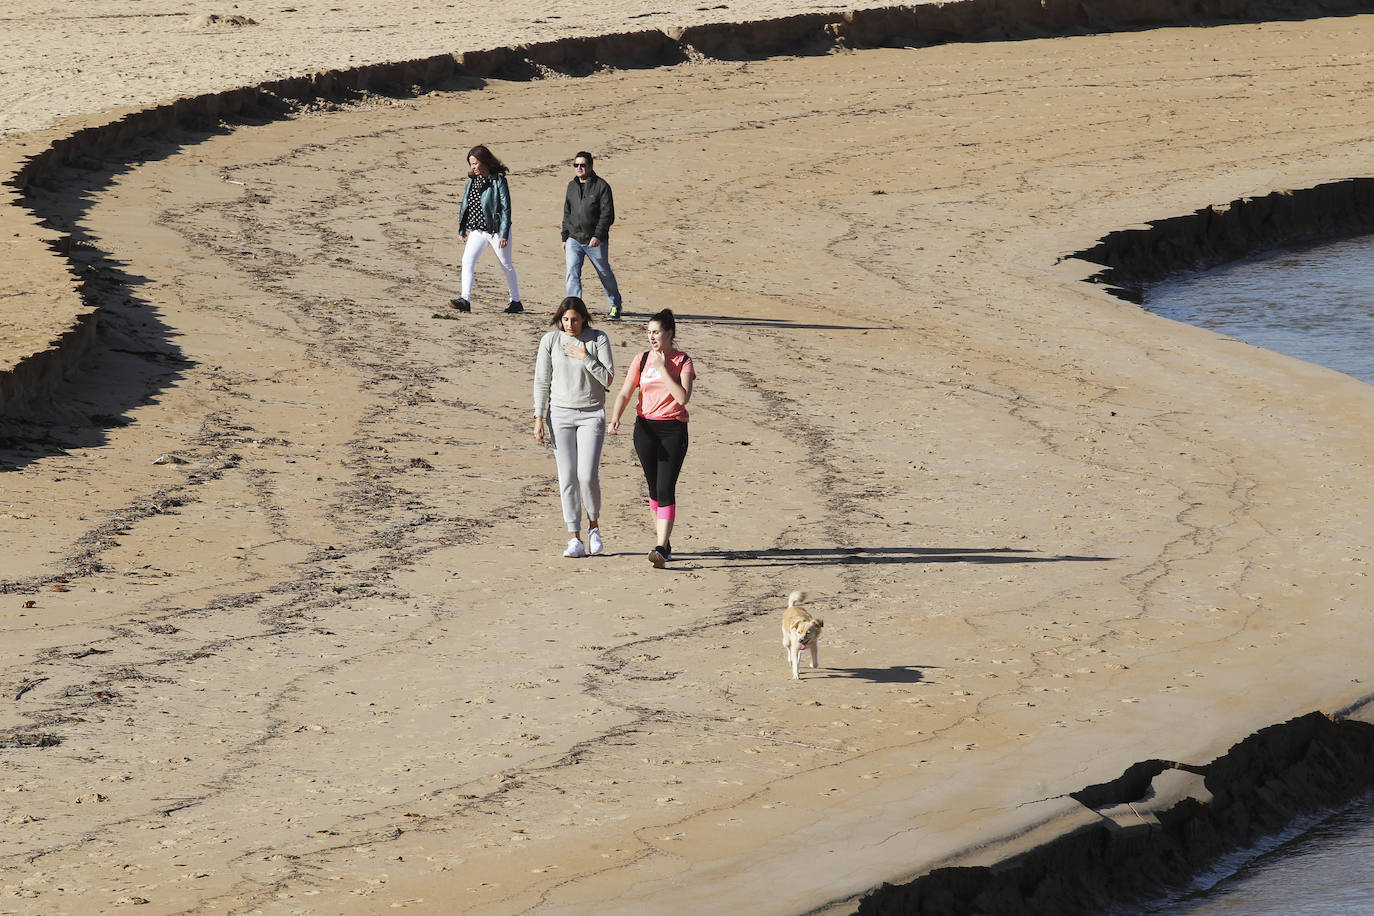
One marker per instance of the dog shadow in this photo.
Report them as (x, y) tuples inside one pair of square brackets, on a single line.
[(895, 674)]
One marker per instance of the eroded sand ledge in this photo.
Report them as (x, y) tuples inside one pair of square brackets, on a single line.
[(1308, 736), (1215, 235), (1162, 823)]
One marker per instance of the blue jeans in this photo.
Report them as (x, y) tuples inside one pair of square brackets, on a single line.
[(600, 256)]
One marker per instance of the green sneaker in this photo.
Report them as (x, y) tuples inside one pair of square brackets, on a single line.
[(615, 313)]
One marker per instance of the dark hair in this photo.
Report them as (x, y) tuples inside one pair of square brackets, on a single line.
[(484, 156), (583, 154), (665, 321), (571, 304)]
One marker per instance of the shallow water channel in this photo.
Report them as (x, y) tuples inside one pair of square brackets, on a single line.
[(1316, 304)]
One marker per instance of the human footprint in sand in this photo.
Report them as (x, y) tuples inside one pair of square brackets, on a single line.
[(572, 373), (664, 377)]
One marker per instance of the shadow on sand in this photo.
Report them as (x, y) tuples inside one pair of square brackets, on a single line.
[(896, 674), (840, 556), (730, 321)]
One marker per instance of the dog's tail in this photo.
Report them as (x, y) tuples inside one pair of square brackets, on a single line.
[(796, 598)]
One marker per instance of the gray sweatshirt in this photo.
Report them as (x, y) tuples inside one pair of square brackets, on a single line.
[(563, 381)]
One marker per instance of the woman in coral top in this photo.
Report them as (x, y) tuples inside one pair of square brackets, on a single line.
[(664, 377)]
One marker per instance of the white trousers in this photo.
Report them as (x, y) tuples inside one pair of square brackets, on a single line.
[(480, 240)]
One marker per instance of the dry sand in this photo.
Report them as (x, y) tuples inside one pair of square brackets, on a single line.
[(334, 663), (64, 60)]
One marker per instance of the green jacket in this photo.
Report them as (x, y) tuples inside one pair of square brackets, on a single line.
[(495, 205)]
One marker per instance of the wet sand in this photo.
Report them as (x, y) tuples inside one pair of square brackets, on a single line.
[(333, 662)]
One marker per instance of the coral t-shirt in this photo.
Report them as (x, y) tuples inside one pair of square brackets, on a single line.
[(656, 401)]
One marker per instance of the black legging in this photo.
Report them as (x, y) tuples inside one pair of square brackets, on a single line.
[(662, 447)]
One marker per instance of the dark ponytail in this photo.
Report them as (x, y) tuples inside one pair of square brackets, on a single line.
[(666, 322)]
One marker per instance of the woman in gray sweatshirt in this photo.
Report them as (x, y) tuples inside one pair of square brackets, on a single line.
[(572, 372)]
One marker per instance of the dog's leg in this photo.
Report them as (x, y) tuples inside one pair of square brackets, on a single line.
[(794, 654), (815, 644)]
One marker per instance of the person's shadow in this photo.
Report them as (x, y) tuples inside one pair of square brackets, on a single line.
[(840, 556), (776, 323)]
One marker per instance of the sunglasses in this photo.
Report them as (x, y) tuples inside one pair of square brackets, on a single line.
[(579, 165)]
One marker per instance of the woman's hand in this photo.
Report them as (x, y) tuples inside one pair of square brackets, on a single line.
[(504, 242), (656, 359), (539, 430), (575, 348), (621, 400)]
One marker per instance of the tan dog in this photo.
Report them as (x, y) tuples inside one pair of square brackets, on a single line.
[(800, 631)]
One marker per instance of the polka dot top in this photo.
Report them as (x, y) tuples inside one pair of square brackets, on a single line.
[(474, 219)]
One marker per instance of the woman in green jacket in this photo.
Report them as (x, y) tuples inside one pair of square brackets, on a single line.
[(484, 220)]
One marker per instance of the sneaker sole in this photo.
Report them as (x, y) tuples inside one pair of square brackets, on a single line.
[(656, 558)]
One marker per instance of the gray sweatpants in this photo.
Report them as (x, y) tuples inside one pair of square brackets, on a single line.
[(578, 435)]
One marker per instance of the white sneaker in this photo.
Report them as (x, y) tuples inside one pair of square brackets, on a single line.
[(593, 542), (575, 549)]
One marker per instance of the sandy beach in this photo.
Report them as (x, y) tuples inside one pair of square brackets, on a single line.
[(286, 627)]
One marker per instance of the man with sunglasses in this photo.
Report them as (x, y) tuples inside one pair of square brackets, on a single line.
[(588, 212)]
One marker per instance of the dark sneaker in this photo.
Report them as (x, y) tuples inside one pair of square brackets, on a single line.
[(657, 558), (615, 313), (461, 305), (514, 308), (666, 550)]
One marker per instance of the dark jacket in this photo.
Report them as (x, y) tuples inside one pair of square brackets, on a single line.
[(495, 204), (588, 210)]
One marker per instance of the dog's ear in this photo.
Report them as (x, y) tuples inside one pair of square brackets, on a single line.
[(819, 623)]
